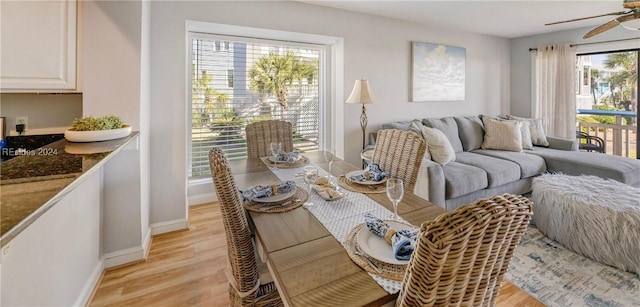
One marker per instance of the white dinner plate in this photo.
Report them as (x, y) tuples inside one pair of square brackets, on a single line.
[(273, 159), (377, 247), (366, 182), (276, 198)]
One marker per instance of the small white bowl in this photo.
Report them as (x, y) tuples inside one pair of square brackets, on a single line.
[(98, 135)]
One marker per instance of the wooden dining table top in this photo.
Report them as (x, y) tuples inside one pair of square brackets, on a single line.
[(309, 266)]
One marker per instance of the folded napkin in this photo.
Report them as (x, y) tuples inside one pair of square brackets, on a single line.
[(372, 172), (260, 191), (325, 189), (288, 157), (403, 242)]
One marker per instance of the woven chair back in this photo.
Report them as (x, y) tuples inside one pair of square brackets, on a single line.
[(400, 154), (240, 249), (261, 134), (461, 257)]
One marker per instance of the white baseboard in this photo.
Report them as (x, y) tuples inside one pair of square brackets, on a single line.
[(169, 226), (202, 199), (110, 260), (90, 285), (123, 256)]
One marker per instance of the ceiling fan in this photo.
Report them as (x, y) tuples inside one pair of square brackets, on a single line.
[(633, 13)]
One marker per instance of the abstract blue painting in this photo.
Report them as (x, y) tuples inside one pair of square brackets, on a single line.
[(437, 72)]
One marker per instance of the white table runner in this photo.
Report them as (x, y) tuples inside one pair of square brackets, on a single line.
[(341, 215)]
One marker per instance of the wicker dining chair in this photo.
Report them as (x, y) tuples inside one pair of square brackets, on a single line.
[(261, 134), (400, 154), (245, 288), (461, 257)]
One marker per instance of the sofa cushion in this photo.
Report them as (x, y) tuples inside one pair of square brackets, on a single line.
[(461, 179), (400, 125), (498, 171), (502, 134), (529, 166), (471, 132), (625, 170), (449, 127)]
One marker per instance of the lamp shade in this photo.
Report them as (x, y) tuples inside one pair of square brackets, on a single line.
[(360, 93)]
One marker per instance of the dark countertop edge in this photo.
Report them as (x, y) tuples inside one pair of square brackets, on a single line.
[(22, 225)]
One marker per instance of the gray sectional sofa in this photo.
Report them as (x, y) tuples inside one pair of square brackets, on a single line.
[(478, 173)]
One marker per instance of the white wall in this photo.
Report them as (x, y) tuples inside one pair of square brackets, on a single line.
[(145, 121), (111, 54), (45, 111), (375, 48), (116, 59), (521, 57)]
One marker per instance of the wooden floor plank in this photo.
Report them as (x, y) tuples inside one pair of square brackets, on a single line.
[(186, 268)]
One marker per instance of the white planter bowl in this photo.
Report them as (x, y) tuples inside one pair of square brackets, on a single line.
[(98, 135)]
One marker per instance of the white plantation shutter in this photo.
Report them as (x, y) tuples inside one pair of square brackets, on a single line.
[(223, 101)]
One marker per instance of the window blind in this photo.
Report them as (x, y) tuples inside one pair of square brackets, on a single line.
[(236, 81)]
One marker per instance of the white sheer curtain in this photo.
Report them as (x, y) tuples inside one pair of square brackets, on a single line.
[(555, 93)]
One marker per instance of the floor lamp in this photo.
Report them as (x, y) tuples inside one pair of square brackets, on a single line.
[(361, 94)]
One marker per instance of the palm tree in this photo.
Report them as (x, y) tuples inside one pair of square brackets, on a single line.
[(274, 74), (595, 75), (205, 97), (625, 76)]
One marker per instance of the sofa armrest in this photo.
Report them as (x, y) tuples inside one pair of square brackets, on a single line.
[(562, 143), (430, 183)]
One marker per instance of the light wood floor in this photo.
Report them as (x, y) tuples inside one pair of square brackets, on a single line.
[(185, 268)]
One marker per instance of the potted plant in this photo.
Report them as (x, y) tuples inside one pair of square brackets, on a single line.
[(94, 129)]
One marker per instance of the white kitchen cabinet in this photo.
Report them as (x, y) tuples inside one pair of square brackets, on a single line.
[(38, 40)]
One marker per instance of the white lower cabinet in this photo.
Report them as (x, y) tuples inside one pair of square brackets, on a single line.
[(56, 261)]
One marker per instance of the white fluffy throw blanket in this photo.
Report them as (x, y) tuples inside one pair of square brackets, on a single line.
[(598, 218)]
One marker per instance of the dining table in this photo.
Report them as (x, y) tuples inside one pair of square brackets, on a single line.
[(308, 264)]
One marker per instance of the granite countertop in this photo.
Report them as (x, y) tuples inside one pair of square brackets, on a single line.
[(33, 182)]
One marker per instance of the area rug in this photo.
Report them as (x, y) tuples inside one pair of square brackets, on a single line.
[(559, 277)]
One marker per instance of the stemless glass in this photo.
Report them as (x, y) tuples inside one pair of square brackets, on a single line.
[(275, 147), (329, 155), (395, 192), (310, 174)]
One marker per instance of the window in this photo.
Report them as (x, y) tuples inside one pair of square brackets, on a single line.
[(230, 78), (251, 80)]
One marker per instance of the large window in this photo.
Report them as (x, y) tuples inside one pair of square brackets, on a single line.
[(607, 99), (236, 81)]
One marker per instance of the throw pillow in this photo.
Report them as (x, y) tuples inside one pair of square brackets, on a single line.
[(526, 134), (449, 127), (502, 134), (416, 127), (537, 131), (438, 145)]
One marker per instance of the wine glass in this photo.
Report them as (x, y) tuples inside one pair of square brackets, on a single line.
[(310, 174), (329, 155), (395, 192), (276, 148)]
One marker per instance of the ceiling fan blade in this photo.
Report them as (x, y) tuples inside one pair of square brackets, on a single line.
[(577, 19), (609, 25)]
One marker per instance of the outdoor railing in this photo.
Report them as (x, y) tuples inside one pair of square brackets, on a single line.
[(620, 138)]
